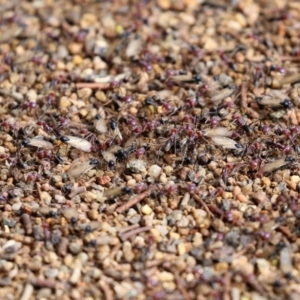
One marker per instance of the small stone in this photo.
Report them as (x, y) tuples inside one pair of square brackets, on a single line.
[(137, 165), (154, 171), (169, 285), (77, 60), (87, 20), (286, 265), (146, 210), (209, 44), (60, 199), (263, 265), (222, 266), (44, 293), (168, 170), (259, 197), (51, 273), (295, 178), (181, 248), (92, 214), (165, 276), (64, 102), (84, 93), (62, 51), (131, 183), (11, 246), (89, 196), (75, 48), (9, 222), (266, 181), (75, 248), (70, 213), (164, 4), (17, 206)]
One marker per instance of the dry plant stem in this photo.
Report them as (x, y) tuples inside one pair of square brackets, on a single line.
[(93, 85), (245, 249), (290, 58), (123, 230), (244, 90), (251, 280), (130, 234), (284, 230), (106, 290), (181, 287), (199, 200), (135, 200), (43, 283), (39, 190), (227, 286)]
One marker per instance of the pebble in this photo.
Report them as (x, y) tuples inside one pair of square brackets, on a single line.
[(51, 273), (165, 276), (295, 178), (70, 213), (9, 222), (60, 199), (210, 44), (84, 93), (88, 196), (27, 292), (164, 4), (11, 246), (62, 51), (260, 196), (75, 248), (154, 171), (44, 293), (17, 206), (87, 20), (266, 181), (75, 48), (181, 248), (286, 260), (137, 166), (263, 266), (146, 210), (75, 275), (77, 60)]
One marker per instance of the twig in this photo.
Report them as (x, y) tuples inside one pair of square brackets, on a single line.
[(106, 290), (93, 85), (245, 249), (244, 90), (227, 287), (131, 233), (135, 200), (181, 287), (290, 58), (38, 187), (43, 283), (284, 230), (199, 200), (123, 230)]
